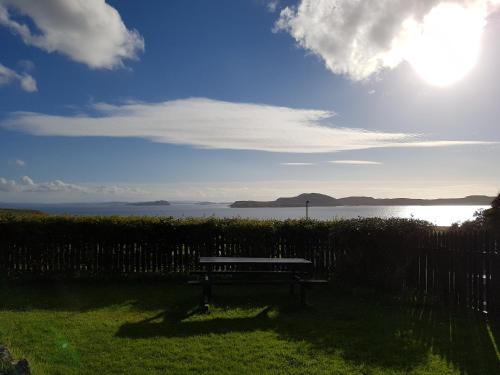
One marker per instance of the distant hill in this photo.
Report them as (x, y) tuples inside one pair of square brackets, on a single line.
[(18, 212), (322, 200), (152, 203)]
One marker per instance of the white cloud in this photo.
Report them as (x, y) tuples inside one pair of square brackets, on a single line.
[(28, 83), (8, 76), (212, 124), (19, 163), (118, 190), (87, 31), (355, 162), (26, 180), (359, 38), (272, 5), (297, 164), (27, 185), (7, 185)]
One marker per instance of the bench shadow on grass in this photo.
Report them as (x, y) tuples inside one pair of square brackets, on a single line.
[(365, 329)]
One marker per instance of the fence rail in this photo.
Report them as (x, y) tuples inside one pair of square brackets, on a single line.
[(462, 268)]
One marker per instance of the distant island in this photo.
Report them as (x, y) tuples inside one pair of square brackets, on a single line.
[(151, 203), (322, 200)]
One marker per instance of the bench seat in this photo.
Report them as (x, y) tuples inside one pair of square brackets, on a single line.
[(313, 282), (241, 281), (245, 281), (238, 272)]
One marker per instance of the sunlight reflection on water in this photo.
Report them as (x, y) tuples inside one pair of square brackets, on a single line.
[(440, 215)]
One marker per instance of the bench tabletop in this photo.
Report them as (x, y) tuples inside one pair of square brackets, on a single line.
[(252, 260)]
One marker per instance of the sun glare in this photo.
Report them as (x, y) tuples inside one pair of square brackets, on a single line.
[(445, 47)]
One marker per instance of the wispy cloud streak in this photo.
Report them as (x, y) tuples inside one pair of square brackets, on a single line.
[(355, 162), (212, 124), (297, 164)]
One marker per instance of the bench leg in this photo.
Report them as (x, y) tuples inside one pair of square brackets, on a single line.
[(205, 297), (209, 292), (303, 296)]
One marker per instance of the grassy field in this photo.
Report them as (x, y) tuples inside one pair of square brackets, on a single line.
[(148, 328)]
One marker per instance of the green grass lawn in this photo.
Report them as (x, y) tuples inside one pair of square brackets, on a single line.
[(147, 328)]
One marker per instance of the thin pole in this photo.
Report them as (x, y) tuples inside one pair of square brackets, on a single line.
[(307, 210)]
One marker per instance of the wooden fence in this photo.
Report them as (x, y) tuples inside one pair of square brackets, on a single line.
[(461, 268), (108, 258)]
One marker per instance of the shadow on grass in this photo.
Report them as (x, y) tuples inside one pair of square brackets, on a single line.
[(81, 296), (464, 339), (365, 328), (164, 324)]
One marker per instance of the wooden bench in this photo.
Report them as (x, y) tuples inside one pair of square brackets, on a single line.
[(254, 271)]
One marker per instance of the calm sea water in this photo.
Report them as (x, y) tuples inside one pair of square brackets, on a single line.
[(439, 215)]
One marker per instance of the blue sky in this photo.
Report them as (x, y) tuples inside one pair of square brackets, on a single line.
[(226, 100)]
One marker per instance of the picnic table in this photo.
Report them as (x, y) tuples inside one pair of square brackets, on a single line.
[(255, 271)]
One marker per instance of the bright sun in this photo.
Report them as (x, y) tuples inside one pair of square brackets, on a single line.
[(445, 47)]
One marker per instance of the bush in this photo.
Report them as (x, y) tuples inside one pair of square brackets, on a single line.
[(363, 250), (488, 219)]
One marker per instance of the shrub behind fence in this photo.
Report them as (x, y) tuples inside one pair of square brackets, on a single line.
[(100, 246), (460, 267)]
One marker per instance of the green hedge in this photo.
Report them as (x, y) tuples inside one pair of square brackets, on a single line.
[(374, 251)]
